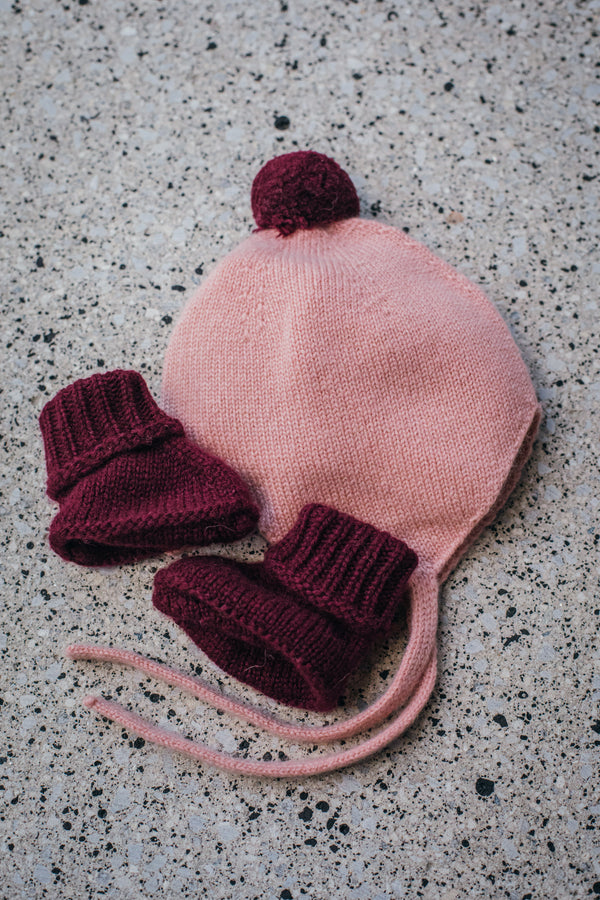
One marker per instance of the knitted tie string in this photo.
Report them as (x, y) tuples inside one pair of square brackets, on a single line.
[(288, 768)]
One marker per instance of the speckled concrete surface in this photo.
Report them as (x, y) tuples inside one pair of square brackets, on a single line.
[(130, 137)]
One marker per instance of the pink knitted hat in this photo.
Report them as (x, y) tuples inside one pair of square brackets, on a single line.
[(335, 360), (347, 365)]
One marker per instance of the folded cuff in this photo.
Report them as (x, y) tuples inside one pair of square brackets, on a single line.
[(93, 419), (344, 567)]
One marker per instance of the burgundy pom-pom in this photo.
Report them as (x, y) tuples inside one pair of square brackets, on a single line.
[(301, 190)]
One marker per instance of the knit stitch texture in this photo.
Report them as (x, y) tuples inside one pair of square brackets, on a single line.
[(128, 481), (349, 366), (300, 190), (299, 624)]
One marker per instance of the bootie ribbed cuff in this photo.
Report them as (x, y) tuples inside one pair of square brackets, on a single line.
[(95, 418), (344, 567)]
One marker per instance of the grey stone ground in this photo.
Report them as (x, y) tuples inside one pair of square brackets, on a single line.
[(130, 137)]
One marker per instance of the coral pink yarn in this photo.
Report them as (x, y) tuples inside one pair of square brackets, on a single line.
[(348, 365)]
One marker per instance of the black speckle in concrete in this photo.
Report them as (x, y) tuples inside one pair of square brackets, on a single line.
[(484, 787)]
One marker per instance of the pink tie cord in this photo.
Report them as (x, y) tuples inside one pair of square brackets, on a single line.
[(287, 769)]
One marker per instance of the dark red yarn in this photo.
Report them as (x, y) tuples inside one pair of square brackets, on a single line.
[(343, 567), (301, 190), (299, 624), (128, 481)]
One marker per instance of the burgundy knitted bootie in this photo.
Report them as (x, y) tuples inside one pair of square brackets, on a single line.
[(297, 625), (128, 481)]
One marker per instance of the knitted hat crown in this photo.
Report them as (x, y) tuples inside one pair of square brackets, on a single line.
[(337, 360)]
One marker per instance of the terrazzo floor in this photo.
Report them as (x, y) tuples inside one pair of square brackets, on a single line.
[(131, 133)]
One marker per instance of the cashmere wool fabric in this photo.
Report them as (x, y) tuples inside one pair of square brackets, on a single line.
[(128, 481), (297, 625)]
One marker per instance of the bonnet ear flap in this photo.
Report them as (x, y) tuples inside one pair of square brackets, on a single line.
[(409, 692)]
